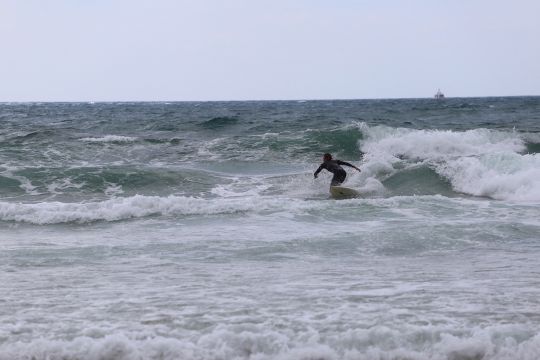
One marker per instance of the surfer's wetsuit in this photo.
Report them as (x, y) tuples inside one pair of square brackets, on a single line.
[(334, 167)]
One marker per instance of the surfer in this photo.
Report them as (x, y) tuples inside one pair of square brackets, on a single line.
[(334, 166)]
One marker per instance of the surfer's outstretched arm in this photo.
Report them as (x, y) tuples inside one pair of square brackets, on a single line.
[(318, 171), (347, 164)]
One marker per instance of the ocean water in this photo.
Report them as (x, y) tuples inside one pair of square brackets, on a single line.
[(197, 231)]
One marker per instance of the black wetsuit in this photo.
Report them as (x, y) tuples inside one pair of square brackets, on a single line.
[(334, 167)]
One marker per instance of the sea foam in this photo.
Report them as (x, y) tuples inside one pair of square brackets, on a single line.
[(120, 208), (109, 138), (254, 342), (478, 162)]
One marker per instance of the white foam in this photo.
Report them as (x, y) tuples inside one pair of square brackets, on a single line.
[(113, 189), (257, 342), (239, 189), (110, 138), (440, 144), (63, 184), (120, 208), (531, 137), (25, 183), (504, 176), (479, 162)]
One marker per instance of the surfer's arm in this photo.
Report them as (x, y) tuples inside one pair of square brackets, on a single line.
[(318, 171), (347, 164)]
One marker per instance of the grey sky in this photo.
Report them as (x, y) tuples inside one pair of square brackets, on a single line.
[(106, 50)]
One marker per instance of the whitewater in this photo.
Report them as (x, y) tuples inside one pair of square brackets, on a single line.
[(196, 230)]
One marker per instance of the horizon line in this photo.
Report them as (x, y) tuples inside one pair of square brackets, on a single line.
[(258, 100)]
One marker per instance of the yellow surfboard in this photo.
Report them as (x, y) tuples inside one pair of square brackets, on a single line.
[(341, 192)]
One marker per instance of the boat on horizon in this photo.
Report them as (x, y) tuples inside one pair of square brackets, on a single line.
[(439, 95)]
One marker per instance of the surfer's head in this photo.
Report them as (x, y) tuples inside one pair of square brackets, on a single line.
[(327, 157)]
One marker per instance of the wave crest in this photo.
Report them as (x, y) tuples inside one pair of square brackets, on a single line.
[(478, 162), (110, 139), (122, 208)]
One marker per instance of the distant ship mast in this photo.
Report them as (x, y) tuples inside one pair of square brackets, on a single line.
[(439, 95)]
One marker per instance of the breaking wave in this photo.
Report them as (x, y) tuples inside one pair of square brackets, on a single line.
[(479, 162), (501, 342), (121, 208)]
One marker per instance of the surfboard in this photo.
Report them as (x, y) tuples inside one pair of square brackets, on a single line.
[(341, 192)]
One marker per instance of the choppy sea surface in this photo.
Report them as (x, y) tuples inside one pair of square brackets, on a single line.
[(197, 231)]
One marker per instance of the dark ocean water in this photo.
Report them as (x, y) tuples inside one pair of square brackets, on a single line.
[(196, 230)]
